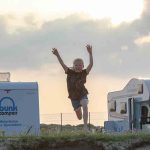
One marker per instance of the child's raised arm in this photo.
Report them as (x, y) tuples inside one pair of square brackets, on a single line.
[(56, 53), (89, 67)]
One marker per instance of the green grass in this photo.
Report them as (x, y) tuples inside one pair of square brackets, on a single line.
[(53, 132), (80, 135)]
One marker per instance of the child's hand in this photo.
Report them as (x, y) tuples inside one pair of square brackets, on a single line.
[(55, 51), (89, 48)]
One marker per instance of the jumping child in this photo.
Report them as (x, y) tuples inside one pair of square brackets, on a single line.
[(76, 78)]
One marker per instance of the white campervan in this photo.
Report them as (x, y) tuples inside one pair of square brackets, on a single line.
[(19, 108), (129, 108)]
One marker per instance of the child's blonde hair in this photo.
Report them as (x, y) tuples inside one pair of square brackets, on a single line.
[(78, 59)]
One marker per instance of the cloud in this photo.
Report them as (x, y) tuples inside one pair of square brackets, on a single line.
[(115, 51), (146, 9)]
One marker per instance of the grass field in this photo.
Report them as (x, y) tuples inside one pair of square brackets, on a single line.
[(73, 137)]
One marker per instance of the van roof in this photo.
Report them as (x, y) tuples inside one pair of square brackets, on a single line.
[(18, 85)]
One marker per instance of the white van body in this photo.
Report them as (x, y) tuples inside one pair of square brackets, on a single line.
[(19, 108), (129, 108)]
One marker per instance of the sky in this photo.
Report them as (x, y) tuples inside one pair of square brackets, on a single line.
[(118, 30)]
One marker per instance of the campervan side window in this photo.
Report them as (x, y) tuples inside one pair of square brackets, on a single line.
[(123, 107), (140, 88), (112, 106)]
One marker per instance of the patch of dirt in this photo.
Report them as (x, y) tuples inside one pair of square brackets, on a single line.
[(43, 144)]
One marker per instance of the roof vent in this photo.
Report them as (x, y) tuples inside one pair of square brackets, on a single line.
[(4, 76)]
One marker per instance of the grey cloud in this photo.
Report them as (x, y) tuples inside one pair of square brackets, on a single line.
[(31, 48)]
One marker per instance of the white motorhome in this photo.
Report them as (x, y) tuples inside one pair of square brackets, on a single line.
[(19, 108), (129, 109)]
